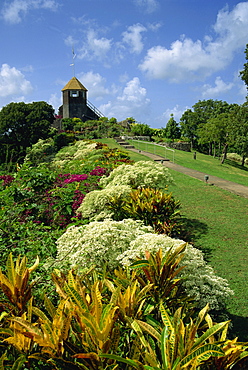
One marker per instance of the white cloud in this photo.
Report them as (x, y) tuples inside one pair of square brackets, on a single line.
[(189, 60), (186, 60), (70, 41), (243, 91), (13, 82), (149, 6), (55, 101), (154, 26), (28, 68), (95, 84), (219, 88), (133, 37), (94, 47), (132, 102), (177, 112), (13, 11), (134, 92)]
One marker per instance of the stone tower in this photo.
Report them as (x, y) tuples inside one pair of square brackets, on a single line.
[(75, 102)]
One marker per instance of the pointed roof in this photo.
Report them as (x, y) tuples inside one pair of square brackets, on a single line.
[(74, 84)]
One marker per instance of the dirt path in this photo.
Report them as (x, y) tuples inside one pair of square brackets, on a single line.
[(240, 190)]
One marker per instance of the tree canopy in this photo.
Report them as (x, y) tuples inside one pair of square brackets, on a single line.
[(238, 130), (22, 125), (141, 129), (172, 130), (244, 73)]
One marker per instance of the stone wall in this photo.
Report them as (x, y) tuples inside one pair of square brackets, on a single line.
[(181, 145), (143, 138)]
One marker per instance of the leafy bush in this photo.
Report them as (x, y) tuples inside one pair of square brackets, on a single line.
[(154, 207), (27, 238), (42, 151), (200, 280), (236, 157), (36, 179), (63, 139), (140, 174)]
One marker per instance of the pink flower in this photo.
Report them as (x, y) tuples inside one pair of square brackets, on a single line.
[(76, 178)]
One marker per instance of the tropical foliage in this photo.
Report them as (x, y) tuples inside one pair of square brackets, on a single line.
[(154, 207), (134, 318)]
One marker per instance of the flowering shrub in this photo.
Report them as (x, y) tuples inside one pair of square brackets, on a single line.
[(79, 150), (115, 243), (200, 280), (236, 157), (49, 198), (95, 205), (141, 174), (97, 243), (86, 155), (84, 149), (61, 201)]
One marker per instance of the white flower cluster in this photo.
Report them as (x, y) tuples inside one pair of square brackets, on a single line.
[(94, 205), (65, 154), (38, 150), (79, 150), (83, 149), (140, 174), (98, 242), (121, 242), (200, 280)]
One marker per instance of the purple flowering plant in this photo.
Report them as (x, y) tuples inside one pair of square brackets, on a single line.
[(48, 196), (7, 179), (58, 203)]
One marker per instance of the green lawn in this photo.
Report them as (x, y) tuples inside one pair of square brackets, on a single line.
[(218, 220), (229, 170)]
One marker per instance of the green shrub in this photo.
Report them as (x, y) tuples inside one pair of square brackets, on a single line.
[(154, 207), (63, 139), (42, 151)]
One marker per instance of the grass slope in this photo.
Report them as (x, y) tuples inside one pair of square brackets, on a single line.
[(134, 156), (218, 220), (229, 170)]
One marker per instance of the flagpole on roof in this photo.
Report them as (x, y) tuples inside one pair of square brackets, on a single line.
[(73, 62)]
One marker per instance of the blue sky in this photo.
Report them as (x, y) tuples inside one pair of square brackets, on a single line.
[(144, 59)]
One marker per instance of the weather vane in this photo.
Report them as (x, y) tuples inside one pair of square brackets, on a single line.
[(73, 61)]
